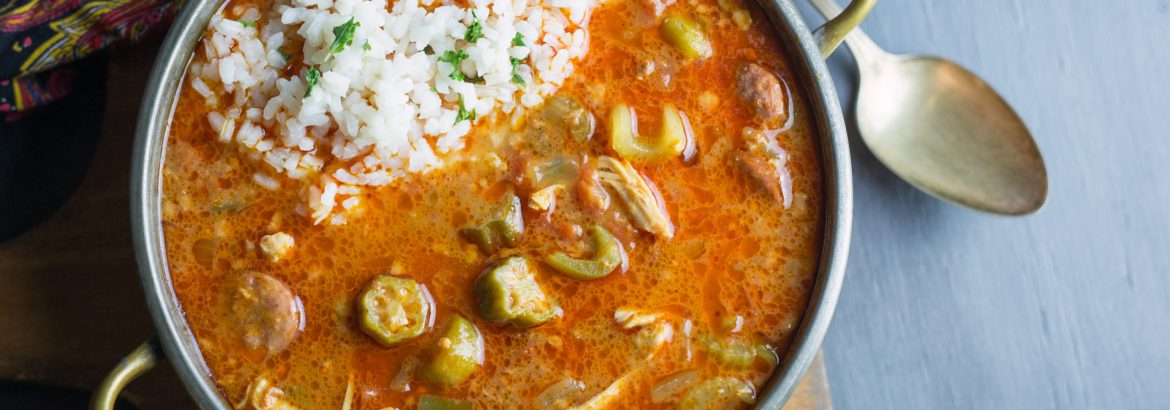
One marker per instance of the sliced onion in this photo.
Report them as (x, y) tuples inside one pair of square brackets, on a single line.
[(348, 403), (559, 395), (670, 388), (557, 170), (401, 382), (690, 148)]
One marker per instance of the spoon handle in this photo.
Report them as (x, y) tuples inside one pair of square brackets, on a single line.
[(862, 47)]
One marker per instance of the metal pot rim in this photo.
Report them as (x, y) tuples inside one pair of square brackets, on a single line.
[(178, 342)]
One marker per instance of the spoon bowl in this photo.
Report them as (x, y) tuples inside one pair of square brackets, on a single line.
[(944, 130)]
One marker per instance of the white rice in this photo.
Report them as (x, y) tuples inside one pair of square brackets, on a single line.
[(384, 105), (266, 181)]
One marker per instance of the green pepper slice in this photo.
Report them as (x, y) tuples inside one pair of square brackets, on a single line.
[(740, 353), (394, 309), (457, 351), (507, 293), (719, 393), (685, 34), (504, 231), (607, 256), (429, 402)]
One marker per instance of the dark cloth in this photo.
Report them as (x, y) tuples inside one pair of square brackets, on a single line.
[(45, 155), (39, 38), (52, 91)]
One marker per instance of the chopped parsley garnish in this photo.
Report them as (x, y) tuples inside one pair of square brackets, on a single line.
[(311, 78), (463, 114), (475, 30), (518, 41), (516, 78), (366, 46), (286, 56), (455, 59), (343, 36), (248, 23)]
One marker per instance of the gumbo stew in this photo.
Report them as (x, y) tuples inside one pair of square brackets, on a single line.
[(475, 204)]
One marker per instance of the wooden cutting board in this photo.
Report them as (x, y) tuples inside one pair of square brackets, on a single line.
[(70, 302)]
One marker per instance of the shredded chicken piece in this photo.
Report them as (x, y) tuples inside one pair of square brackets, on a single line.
[(545, 198), (655, 330), (653, 338), (496, 162), (590, 189), (608, 397), (639, 198), (262, 395), (631, 318), (276, 246)]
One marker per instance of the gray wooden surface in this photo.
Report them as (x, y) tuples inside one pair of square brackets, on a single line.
[(944, 308)]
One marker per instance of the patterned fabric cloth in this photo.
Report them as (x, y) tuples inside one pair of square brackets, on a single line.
[(40, 38)]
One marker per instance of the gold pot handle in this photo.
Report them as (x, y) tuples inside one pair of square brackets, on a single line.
[(142, 359), (834, 31)]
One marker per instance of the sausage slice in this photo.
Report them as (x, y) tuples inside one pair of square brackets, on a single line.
[(761, 90), (266, 311), (767, 163)]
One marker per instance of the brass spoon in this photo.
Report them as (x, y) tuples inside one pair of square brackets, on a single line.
[(943, 130)]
